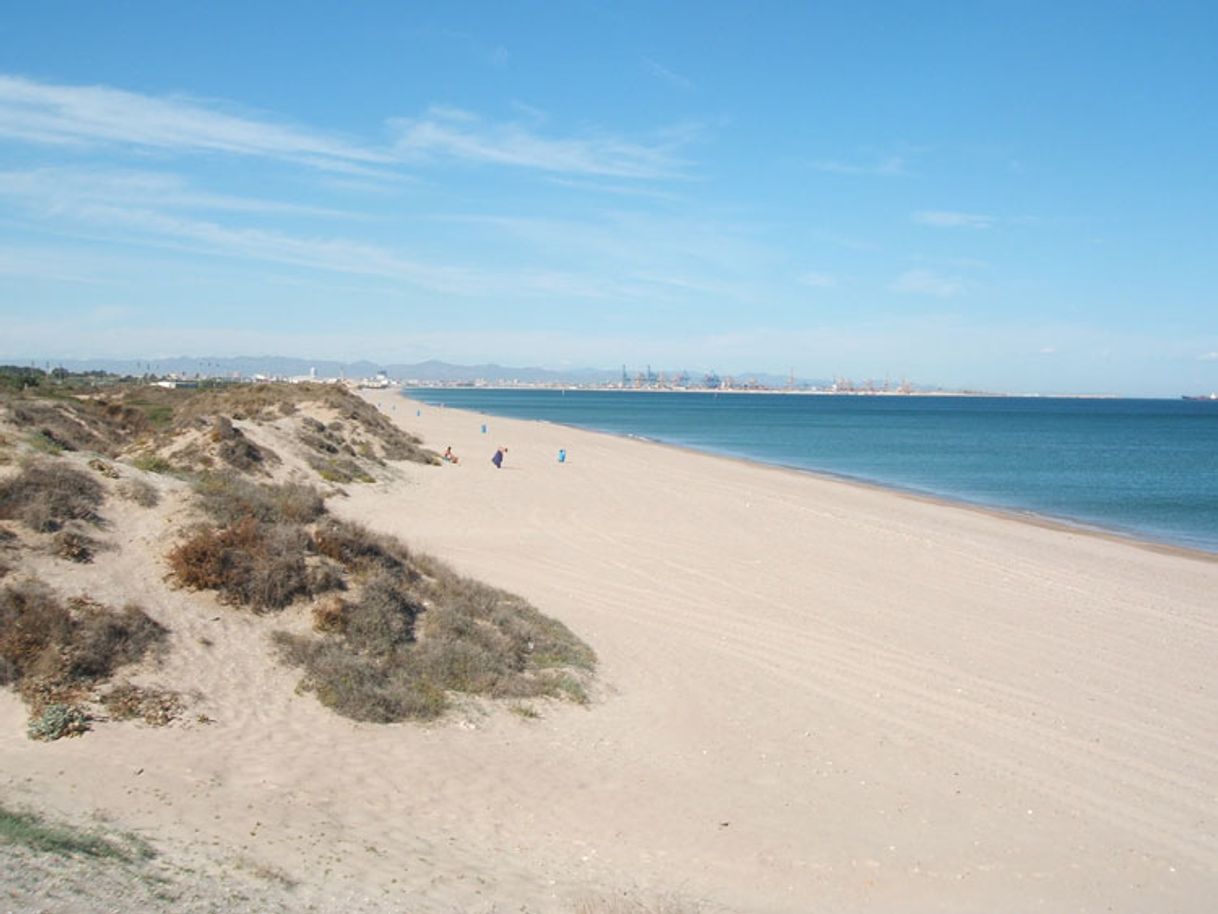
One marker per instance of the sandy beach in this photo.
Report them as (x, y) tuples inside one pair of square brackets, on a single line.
[(812, 696)]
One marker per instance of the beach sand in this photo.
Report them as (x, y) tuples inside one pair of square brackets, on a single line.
[(812, 696)]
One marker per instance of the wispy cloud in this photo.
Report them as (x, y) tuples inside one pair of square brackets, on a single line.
[(446, 132), (74, 116), (331, 254), (889, 166), (66, 115), (56, 189), (148, 227), (618, 189), (676, 80), (927, 282), (1209, 357), (530, 112), (948, 219)]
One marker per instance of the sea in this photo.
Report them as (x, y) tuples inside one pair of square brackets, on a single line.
[(1141, 468)]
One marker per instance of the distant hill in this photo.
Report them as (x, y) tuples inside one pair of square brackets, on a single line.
[(429, 371)]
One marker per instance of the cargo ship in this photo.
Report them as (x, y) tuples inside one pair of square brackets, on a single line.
[(1213, 396)]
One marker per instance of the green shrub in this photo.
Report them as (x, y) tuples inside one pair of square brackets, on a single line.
[(58, 721), (152, 463), (47, 444), (339, 470)]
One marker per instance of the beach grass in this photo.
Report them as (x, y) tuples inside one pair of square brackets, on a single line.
[(32, 831)]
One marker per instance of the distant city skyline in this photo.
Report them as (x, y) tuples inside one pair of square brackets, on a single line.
[(998, 196)]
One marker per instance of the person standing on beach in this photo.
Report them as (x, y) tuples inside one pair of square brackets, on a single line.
[(497, 460)]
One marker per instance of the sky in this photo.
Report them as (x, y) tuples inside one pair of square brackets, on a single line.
[(1006, 196)]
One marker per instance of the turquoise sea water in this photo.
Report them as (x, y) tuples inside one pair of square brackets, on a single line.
[(1148, 468)]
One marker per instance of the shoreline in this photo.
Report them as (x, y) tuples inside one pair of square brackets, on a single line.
[(808, 692), (1137, 539), (887, 702), (780, 391)]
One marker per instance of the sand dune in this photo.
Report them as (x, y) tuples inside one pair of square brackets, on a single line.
[(813, 696)]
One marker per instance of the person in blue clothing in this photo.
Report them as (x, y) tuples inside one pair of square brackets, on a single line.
[(497, 460)]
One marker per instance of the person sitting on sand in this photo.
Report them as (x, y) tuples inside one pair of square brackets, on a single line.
[(449, 456), (497, 460)]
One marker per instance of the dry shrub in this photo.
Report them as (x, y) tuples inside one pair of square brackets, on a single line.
[(54, 653), (395, 443), (73, 546), (104, 640), (57, 424), (104, 468), (228, 498), (319, 437), (416, 632), (330, 615), (34, 626), (140, 491), (381, 689), (359, 549), (237, 450), (324, 576), (256, 402), (80, 423), (383, 617), (156, 707), (249, 562), (224, 430), (45, 494), (259, 556)]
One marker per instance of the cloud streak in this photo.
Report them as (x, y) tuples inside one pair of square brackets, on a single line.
[(91, 117), (888, 167), (455, 134), (55, 189), (950, 219), (63, 115), (661, 72)]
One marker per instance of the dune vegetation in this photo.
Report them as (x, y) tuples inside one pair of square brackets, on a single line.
[(379, 632)]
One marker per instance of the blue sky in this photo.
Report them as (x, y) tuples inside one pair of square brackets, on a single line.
[(1005, 196)]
